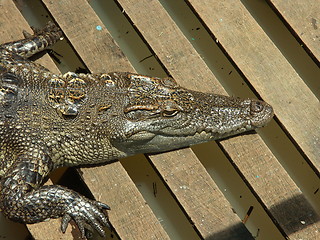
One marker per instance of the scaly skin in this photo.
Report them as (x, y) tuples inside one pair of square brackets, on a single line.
[(48, 121)]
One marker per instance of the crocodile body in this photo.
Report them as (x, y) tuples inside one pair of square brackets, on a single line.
[(48, 121)]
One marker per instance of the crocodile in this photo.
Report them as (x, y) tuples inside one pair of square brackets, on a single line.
[(49, 121)]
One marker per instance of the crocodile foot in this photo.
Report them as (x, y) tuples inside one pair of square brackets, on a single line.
[(85, 211)]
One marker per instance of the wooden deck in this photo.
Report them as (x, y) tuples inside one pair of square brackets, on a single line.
[(257, 186)]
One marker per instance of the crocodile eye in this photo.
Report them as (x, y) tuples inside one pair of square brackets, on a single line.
[(170, 113)]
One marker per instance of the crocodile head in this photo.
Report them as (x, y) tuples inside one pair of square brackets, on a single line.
[(159, 115)]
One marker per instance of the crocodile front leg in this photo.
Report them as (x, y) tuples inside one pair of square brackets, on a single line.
[(23, 200)]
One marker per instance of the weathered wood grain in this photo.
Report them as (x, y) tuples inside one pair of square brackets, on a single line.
[(267, 70), (277, 82), (200, 198), (303, 17)]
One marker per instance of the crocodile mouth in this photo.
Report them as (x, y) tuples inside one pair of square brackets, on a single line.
[(187, 132), (207, 133)]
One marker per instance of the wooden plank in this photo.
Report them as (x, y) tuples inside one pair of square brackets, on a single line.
[(12, 24), (176, 53), (284, 201), (261, 62), (265, 67), (220, 219), (130, 216), (199, 196), (303, 18)]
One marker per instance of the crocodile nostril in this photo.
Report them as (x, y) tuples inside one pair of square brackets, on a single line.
[(257, 106)]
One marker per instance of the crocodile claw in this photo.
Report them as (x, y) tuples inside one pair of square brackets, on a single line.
[(85, 211)]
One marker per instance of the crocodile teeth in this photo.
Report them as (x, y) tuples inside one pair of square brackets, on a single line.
[(202, 134)]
